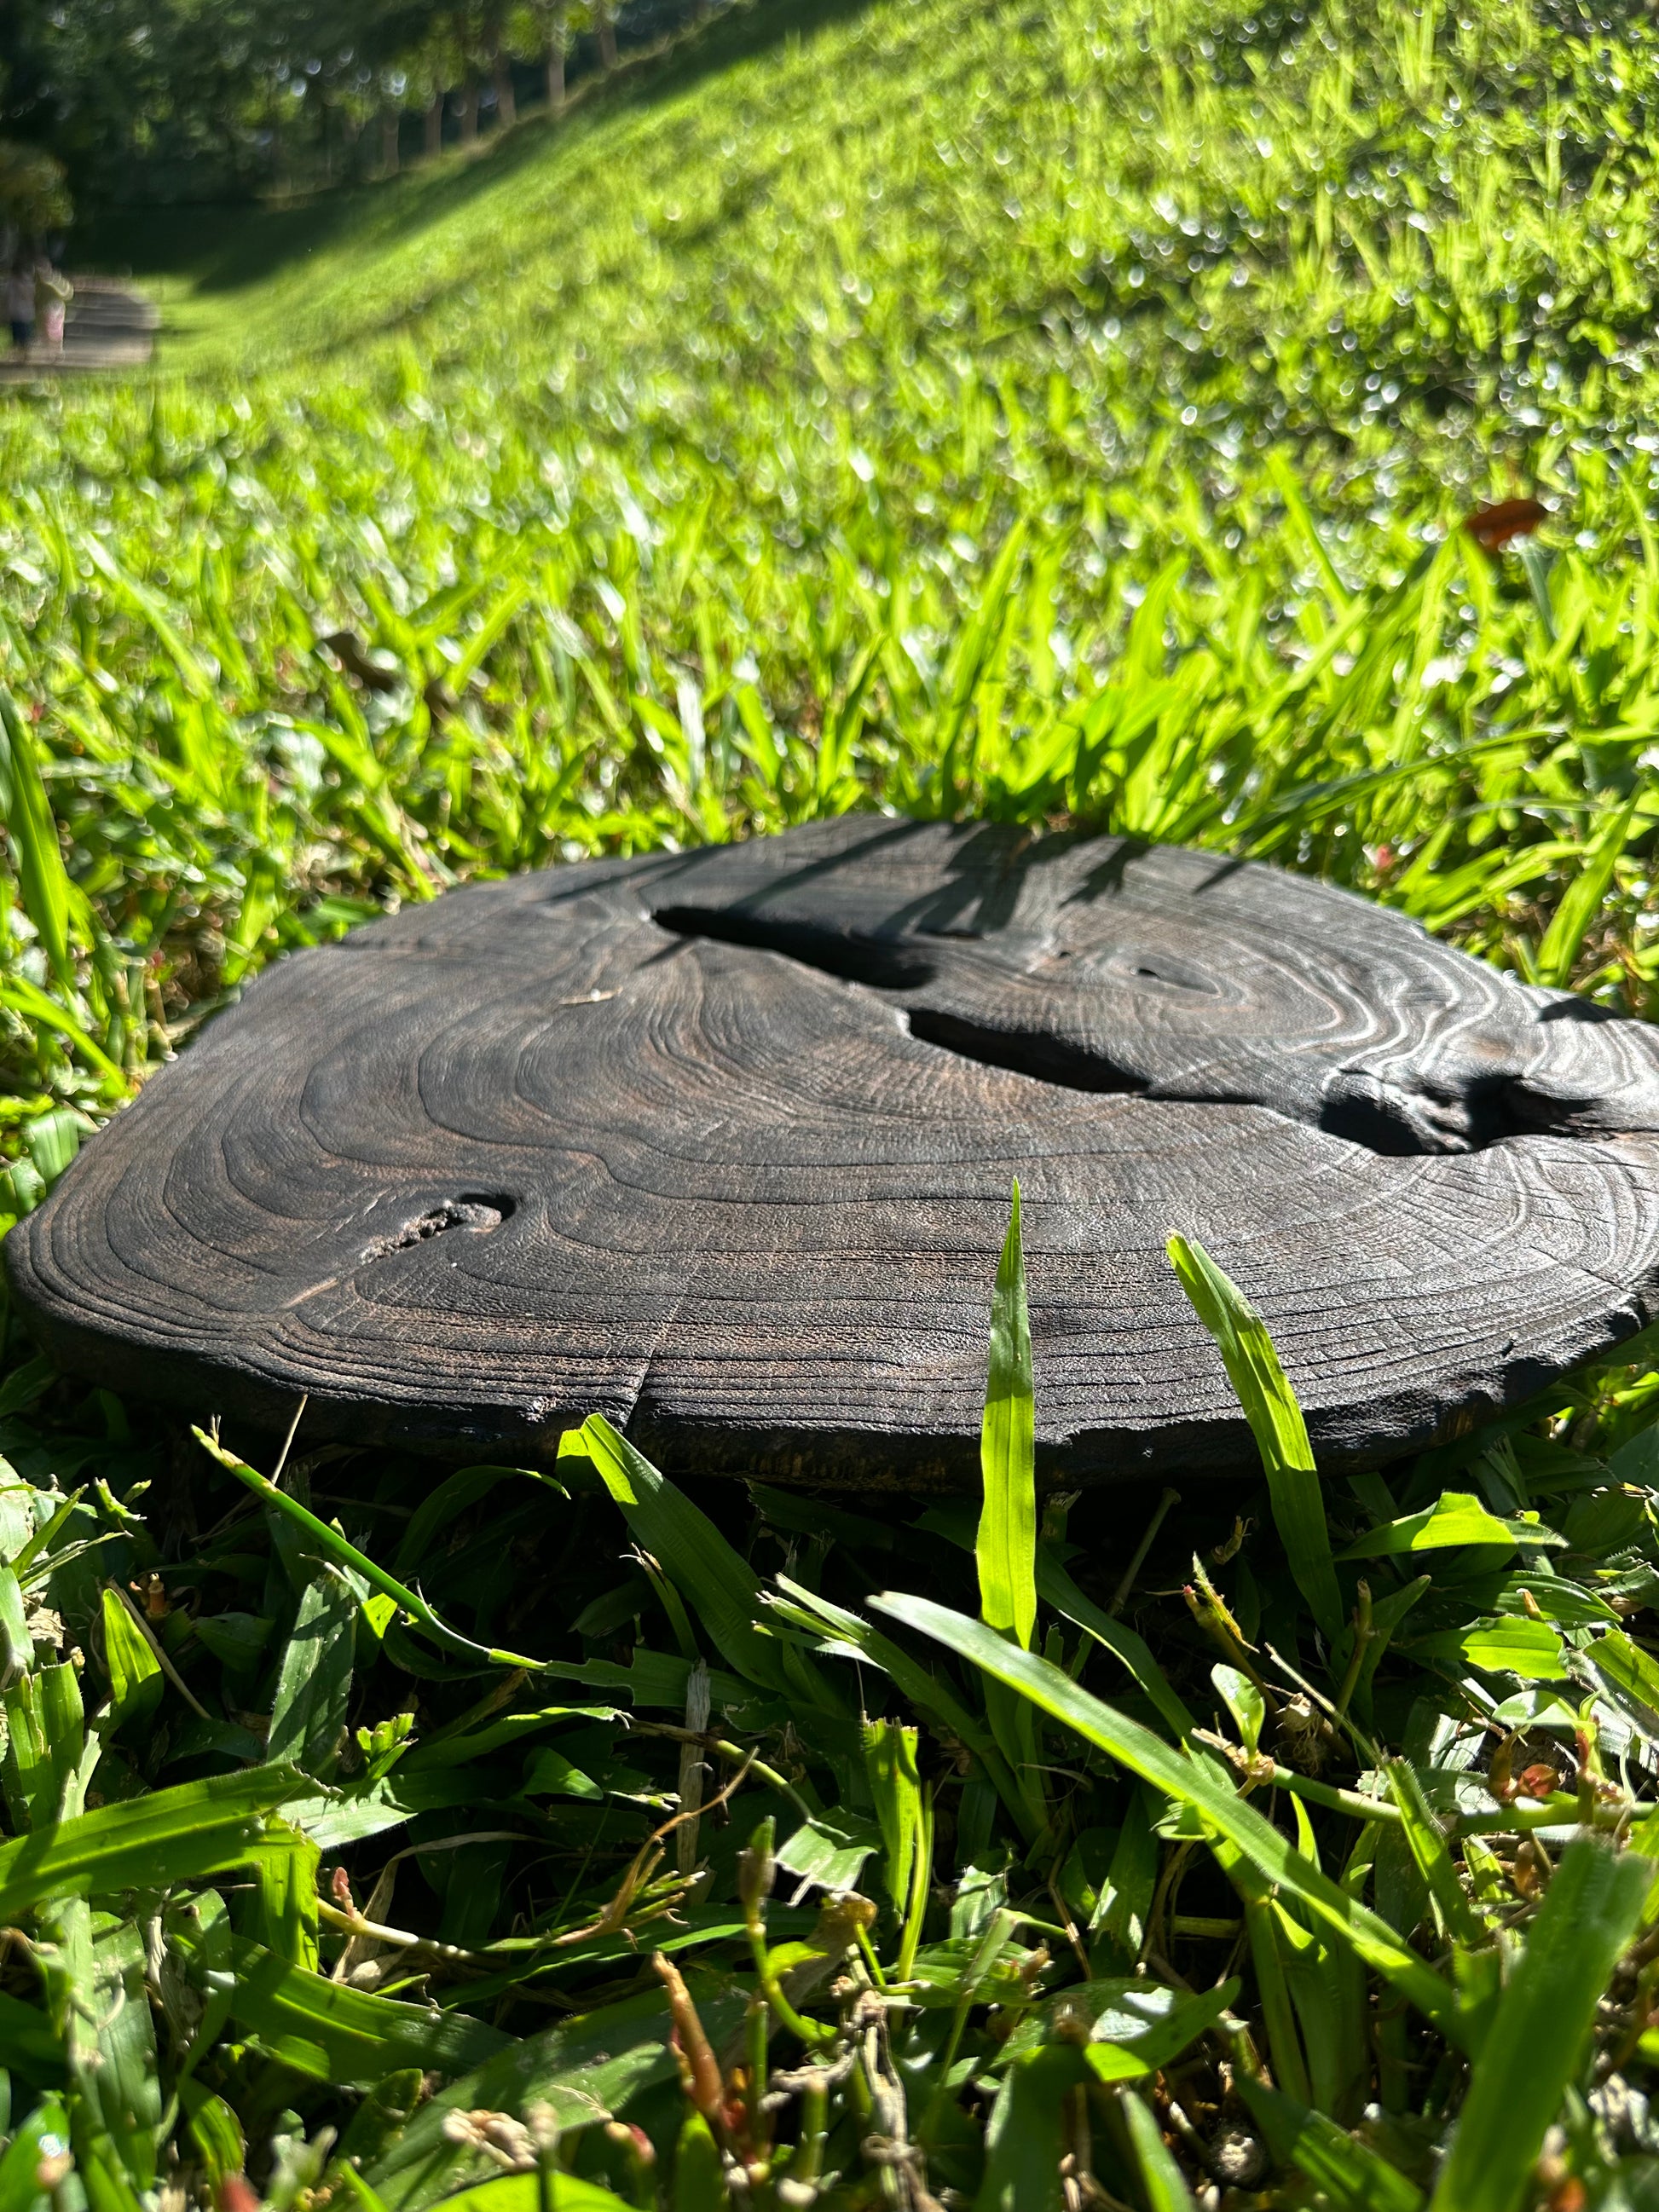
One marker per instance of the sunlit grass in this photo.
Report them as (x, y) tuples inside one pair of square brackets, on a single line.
[(1068, 417), (882, 411)]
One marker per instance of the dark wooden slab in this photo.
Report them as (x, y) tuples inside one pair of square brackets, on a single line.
[(721, 1144)]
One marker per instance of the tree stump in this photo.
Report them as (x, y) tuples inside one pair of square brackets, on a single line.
[(719, 1145)]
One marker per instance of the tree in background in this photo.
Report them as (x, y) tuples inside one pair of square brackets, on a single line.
[(194, 100), (33, 193), (540, 31), (604, 28), (500, 66)]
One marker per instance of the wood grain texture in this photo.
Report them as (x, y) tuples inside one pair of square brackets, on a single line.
[(721, 1144)]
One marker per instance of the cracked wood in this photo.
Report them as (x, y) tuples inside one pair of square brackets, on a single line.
[(719, 1145)]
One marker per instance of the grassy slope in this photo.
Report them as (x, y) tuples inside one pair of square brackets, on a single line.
[(788, 334), (1063, 414), (748, 373)]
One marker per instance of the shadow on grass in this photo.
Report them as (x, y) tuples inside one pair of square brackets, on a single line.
[(223, 248)]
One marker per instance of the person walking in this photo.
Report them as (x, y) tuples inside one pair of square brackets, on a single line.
[(20, 304), (53, 293)]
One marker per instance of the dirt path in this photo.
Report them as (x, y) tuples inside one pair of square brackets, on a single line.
[(107, 327)]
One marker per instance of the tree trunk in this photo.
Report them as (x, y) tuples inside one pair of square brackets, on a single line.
[(432, 140), (605, 25), (500, 76), (389, 119), (555, 20), (470, 113)]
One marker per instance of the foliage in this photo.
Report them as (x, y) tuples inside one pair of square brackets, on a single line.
[(1072, 420), (152, 100), (33, 193)]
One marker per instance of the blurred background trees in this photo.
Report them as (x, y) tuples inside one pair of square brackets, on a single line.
[(35, 200), (141, 101)]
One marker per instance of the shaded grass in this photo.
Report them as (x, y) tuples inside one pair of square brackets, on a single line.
[(368, 1856)]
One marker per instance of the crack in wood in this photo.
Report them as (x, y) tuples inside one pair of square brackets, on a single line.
[(1397, 1120), (471, 1211)]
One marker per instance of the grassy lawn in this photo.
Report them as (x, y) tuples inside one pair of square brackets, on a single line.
[(1069, 416)]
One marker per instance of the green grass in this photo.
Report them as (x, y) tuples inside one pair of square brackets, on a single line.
[(835, 416), (1067, 416)]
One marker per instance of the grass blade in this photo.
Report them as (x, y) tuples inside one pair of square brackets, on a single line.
[(1162, 2181), (1582, 901), (1434, 1861), (332, 2033), (1456, 1518), (333, 1546), (49, 897), (148, 1843), (1026, 2136), (534, 2192), (313, 1685), (1006, 1548), (854, 1636), (1533, 2048), (692, 1552), (1189, 1783), (1351, 2176), (1142, 2026), (1270, 1406), (1058, 1590), (28, 999), (584, 2069), (890, 1761)]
